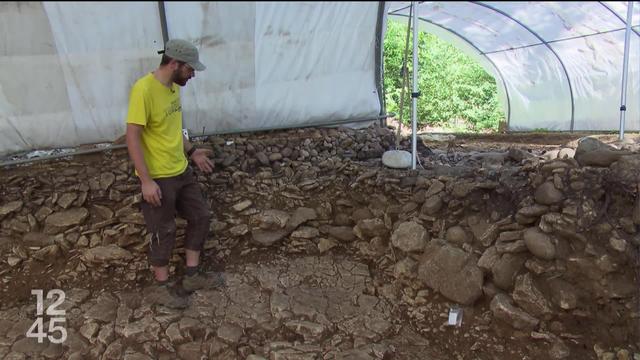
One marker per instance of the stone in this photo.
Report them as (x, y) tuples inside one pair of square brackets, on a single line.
[(299, 217), (452, 272), (146, 329), (547, 194), (267, 237), (511, 247), (456, 235), (174, 334), (30, 346), (10, 207), (110, 254), (592, 152), (106, 334), (230, 333), (406, 268), (42, 213), (113, 351), (13, 261), (410, 237), (361, 214), (539, 244), (483, 232), (311, 332), (89, 330), (104, 310), (504, 270), (435, 188), (488, 259), (67, 218), (37, 239), (66, 200), (370, 228), (566, 153), (306, 232), (190, 351), (504, 310), (325, 245), (270, 219), (623, 354), (262, 158), (243, 205), (432, 205), (618, 244), (136, 356), (625, 172), (239, 230), (529, 297), (563, 294), (106, 180), (342, 233), (397, 159), (559, 350)]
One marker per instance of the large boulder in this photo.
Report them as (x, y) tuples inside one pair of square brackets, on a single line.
[(592, 152), (452, 272), (410, 237), (539, 244)]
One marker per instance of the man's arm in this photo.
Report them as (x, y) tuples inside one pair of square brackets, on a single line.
[(150, 189), (199, 156), (186, 144)]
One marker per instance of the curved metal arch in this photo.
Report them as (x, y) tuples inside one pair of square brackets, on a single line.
[(543, 41), (504, 84), (624, 22)]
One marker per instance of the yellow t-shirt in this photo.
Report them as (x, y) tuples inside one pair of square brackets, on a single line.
[(158, 109)]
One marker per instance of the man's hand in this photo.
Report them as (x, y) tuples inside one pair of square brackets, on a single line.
[(201, 158), (151, 193)]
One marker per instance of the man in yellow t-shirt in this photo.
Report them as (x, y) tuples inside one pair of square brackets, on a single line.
[(159, 151)]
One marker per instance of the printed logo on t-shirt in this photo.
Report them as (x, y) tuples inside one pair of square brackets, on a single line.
[(173, 108)]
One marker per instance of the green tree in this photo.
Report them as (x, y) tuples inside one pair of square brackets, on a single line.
[(455, 89)]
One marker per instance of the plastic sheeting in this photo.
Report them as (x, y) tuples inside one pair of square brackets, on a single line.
[(278, 64), (558, 65), (67, 68)]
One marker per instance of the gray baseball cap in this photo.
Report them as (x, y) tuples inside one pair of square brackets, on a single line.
[(184, 51)]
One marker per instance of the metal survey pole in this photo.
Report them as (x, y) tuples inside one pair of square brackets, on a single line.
[(625, 69), (415, 93)]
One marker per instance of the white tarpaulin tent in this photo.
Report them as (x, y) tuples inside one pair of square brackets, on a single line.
[(66, 68), (558, 65)]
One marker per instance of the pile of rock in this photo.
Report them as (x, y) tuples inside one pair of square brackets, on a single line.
[(546, 247)]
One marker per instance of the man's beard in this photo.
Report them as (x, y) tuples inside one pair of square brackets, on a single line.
[(179, 79)]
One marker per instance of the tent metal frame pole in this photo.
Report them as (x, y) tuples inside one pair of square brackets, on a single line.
[(414, 94), (618, 16), (163, 22), (625, 69), (504, 83), (379, 62), (554, 41), (564, 69)]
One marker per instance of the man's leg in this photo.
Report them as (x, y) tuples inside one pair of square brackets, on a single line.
[(161, 224), (161, 273), (193, 258), (191, 205)]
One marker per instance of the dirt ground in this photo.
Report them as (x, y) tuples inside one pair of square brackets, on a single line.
[(293, 299)]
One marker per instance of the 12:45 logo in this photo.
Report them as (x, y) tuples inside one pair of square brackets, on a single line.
[(56, 317)]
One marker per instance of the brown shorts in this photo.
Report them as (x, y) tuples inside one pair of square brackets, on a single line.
[(181, 195)]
